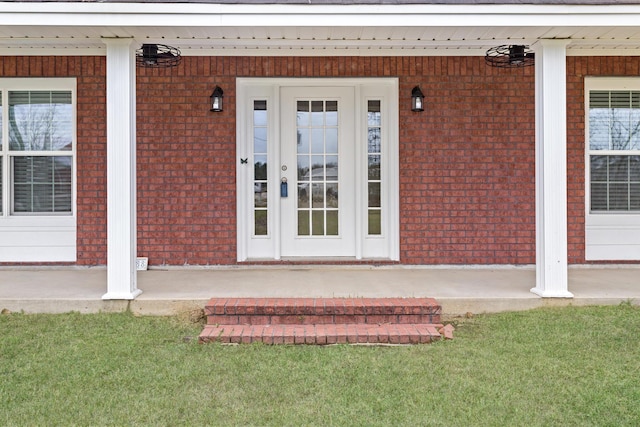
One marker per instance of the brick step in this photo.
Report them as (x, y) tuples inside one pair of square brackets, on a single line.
[(323, 334), (315, 311)]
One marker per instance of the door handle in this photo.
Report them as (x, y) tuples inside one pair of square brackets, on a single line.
[(284, 188)]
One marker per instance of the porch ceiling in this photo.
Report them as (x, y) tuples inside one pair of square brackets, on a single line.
[(78, 28), (320, 40)]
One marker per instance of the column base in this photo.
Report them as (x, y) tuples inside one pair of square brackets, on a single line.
[(551, 294), (122, 295)]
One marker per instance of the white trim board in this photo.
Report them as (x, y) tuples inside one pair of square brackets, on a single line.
[(613, 236), (269, 247)]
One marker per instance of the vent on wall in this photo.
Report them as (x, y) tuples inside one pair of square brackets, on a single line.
[(510, 56), (157, 56)]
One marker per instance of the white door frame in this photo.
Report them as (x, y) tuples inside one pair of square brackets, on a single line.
[(268, 247)]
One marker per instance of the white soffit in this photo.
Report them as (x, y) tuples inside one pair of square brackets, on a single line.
[(206, 29)]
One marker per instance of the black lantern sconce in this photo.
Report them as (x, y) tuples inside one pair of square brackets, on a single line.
[(216, 99), (417, 99)]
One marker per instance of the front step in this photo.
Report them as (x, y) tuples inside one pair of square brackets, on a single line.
[(322, 334), (323, 320), (313, 311)]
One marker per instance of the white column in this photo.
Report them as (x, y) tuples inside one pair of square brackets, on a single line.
[(551, 169), (121, 170)]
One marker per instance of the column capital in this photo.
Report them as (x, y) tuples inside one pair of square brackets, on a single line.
[(542, 43)]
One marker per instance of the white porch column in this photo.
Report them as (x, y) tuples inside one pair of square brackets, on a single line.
[(551, 169), (121, 170)]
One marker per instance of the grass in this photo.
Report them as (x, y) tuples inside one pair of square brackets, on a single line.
[(557, 366)]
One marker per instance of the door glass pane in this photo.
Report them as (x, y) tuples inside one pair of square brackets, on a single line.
[(260, 113), (303, 222), (317, 141), (317, 113), (317, 168), (374, 222), (317, 221), (374, 167), (332, 113), (303, 168), (260, 195), (260, 174), (331, 140), (332, 196), (303, 141), (374, 159), (332, 168), (303, 195), (374, 194), (260, 225), (317, 193), (332, 223), (260, 140), (260, 167), (317, 158), (302, 116)]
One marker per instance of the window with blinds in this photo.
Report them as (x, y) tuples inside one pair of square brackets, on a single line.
[(39, 152), (614, 150)]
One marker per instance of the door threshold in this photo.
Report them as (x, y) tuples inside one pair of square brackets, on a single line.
[(320, 261)]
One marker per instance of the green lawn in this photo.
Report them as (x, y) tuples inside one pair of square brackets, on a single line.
[(551, 367)]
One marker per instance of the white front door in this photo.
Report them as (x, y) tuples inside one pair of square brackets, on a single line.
[(317, 169)]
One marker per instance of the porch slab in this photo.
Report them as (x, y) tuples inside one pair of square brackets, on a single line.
[(168, 291)]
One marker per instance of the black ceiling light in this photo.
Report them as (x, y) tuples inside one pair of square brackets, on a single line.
[(216, 99), (158, 56), (417, 99), (510, 56)]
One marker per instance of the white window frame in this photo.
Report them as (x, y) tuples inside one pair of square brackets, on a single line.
[(37, 237), (609, 235)]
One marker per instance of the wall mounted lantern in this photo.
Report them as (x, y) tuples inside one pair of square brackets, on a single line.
[(417, 99), (216, 99)]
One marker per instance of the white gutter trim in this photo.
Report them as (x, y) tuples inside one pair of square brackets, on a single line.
[(224, 15), (306, 9)]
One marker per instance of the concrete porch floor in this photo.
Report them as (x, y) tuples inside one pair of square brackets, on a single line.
[(174, 290)]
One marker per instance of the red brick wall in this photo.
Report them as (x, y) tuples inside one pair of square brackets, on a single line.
[(91, 141), (467, 180), (467, 175), (467, 186)]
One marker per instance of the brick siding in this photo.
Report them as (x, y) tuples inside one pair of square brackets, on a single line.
[(467, 185)]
